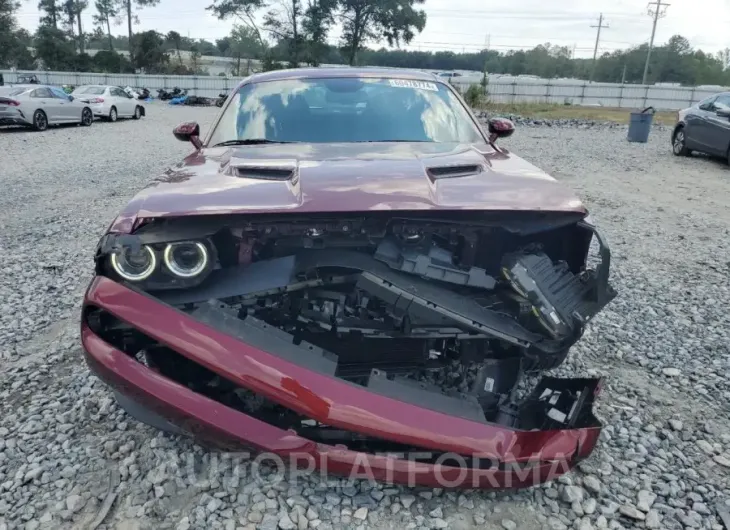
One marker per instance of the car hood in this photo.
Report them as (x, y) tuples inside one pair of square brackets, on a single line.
[(303, 178)]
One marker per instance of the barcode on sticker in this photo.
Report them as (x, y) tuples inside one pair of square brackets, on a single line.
[(408, 83)]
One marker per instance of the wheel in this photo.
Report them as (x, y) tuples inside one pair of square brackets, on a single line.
[(137, 112), (40, 120), (679, 147), (113, 114), (87, 118)]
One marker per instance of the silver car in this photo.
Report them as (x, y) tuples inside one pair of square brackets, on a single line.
[(39, 106), (110, 102)]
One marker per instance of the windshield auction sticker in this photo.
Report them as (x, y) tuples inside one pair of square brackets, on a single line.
[(408, 83)]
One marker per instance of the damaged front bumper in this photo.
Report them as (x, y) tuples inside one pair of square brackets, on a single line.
[(429, 439)]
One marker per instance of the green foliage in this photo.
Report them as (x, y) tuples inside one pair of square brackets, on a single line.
[(365, 20), (318, 20), (111, 62), (51, 12), (474, 95), (149, 52), (106, 10), (54, 49)]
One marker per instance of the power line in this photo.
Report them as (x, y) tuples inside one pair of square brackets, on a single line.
[(600, 26), (659, 11)]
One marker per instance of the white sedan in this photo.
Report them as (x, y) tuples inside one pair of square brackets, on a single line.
[(39, 106), (109, 102)]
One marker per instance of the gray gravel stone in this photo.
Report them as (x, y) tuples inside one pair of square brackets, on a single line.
[(631, 512)]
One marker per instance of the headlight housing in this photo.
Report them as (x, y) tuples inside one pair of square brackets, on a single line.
[(134, 265), (157, 265), (186, 259)]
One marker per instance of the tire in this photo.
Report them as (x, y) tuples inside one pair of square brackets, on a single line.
[(545, 361), (113, 114), (87, 117), (679, 147), (40, 120), (137, 112)]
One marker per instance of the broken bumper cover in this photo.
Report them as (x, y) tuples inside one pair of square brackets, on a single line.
[(519, 458)]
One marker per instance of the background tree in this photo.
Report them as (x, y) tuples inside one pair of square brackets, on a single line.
[(54, 48), (244, 10), (8, 41), (318, 19), (111, 62), (50, 13), (106, 10), (174, 38), (284, 22), (72, 10), (132, 18), (195, 58), (395, 21), (241, 44), (149, 52)]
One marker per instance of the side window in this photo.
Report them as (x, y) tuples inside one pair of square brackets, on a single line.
[(42, 93), (117, 92), (60, 94), (706, 104), (722, 102)]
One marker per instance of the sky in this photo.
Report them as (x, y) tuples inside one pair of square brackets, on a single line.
[(469, 25)]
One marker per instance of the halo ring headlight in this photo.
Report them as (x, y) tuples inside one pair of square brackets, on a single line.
[(186, 266), (123, 261)]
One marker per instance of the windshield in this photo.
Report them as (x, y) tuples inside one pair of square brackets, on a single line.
[(346, 110), (12, 91)]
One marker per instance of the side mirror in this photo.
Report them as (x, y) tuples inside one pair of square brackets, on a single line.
[(500, 128), (188, 132), (723, 112)]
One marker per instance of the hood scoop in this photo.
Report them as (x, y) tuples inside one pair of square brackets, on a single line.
[(276, 170), (453, 171), (265, 173)]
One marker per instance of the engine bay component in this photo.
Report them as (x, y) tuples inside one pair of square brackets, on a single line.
[(561, 301), (436, 264), (441, 317)]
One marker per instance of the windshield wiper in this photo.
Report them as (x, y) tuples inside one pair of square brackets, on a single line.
[(251, 141)]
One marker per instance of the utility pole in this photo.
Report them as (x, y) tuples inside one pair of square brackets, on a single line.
[(657, 12), (623, 76), (600, 26)]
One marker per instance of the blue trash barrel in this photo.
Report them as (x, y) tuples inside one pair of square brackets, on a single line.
[(640, 125)]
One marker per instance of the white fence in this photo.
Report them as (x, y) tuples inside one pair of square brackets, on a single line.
[(517, 90), (205, 86), (501, 89)]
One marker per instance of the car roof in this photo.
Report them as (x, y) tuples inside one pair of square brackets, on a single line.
[(342, 71)]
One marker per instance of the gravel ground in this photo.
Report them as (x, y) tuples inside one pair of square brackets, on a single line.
[(664, 458)]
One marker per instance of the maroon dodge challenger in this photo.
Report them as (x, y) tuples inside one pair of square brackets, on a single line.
[(350, 275)]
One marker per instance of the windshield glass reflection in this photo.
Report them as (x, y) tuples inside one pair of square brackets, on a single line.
[(346, 110)]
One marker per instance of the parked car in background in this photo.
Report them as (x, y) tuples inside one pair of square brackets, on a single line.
[(39, 106), (110, 102), (704, 127)]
